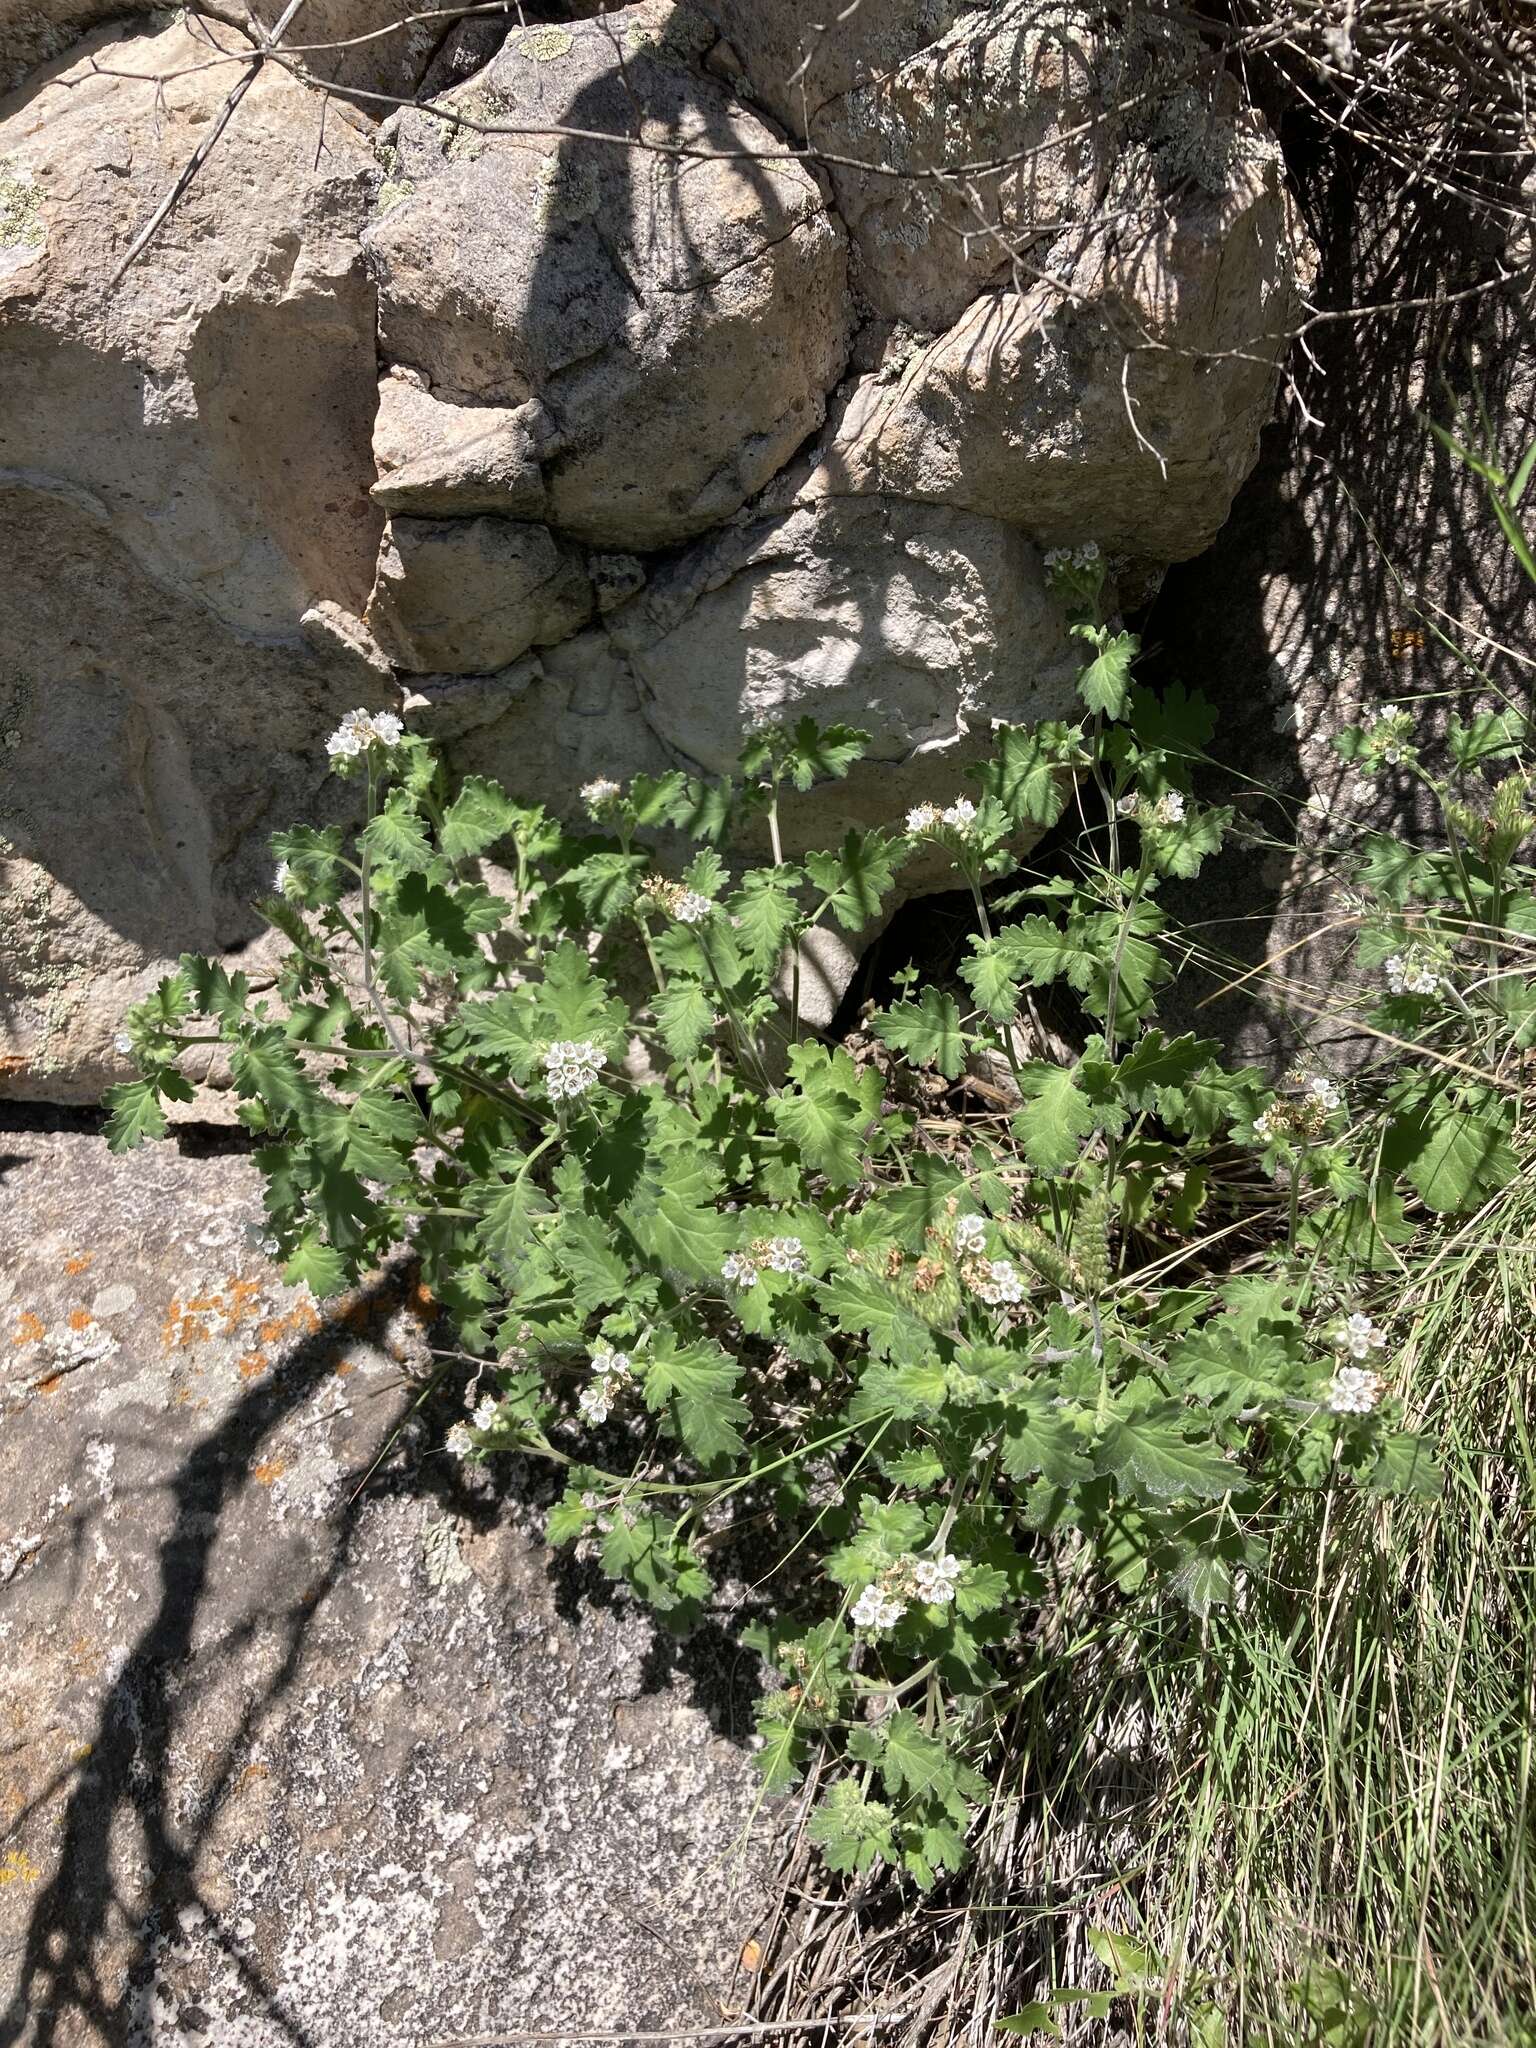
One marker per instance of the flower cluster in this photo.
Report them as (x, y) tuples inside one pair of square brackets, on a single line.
[(122, 1042), (686, 905), (611, 1370), (571, 1067), (931, 1579), (1359, 1336), (282, 875), (970, 1236), (959, 816), (362, 729), (1387, 735), (1085, 557), (1168, 810), (995, 1281), (1408, 976), (778, 1254), (875, 1609), (1305, 1118), (601, 795), (1353, 1391)]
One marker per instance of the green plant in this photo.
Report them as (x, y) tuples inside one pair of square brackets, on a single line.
[(712, 1266)]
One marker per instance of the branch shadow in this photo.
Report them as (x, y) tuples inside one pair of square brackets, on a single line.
[(60, 1980)]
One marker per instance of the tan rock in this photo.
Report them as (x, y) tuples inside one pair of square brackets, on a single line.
[(457, 460), (146, 753), (1121, 403), (679, 319), (1015, 87), (218, 398), (798, 62), (470, 595)]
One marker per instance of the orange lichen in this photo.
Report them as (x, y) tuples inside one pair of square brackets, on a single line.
[(238, 1294), (269, 1471), (251, 1365), (17, 1867), (343, 1367), (51, 1385), (80, 1319), (30, 1329), (80, 1263)]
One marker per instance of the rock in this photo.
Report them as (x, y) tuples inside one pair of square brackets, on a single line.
[(146, 753), (218, 399), (1119, 402), (639, 278), (798, 63), (1014, 86), (469, 595), (921, 625), (358, 43), (184, 471), (445, 460), (296, 1748)]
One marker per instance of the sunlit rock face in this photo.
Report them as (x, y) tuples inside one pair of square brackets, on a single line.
[(646, 376)]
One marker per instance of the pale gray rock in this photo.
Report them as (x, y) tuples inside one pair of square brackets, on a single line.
[(919, 624), (679, 320), (296, 1749), (1119, 400), (468, 595)]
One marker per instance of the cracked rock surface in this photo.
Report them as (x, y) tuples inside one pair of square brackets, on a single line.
[(290, 1759)]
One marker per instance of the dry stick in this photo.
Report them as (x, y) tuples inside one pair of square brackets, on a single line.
[(204, 149)]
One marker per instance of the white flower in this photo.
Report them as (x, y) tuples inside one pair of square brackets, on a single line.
[(970, 1234), (280, 877), (1268, 1126), (923, 817), (1326, 1092), (961, 814), (1170, 808), (1359, 1336), (360, 730), (595, 1401), (1407, 976), (786, 1255), (1353, 1391), (122, 1042), (487, 1410), (936, 1578), (1127, 806), (691, 907), (616, 1363), (599, 794), (1072, 558), (571, 1067), (459, 1441), (1002, 1285), (739, 1269), (876, 1609)]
